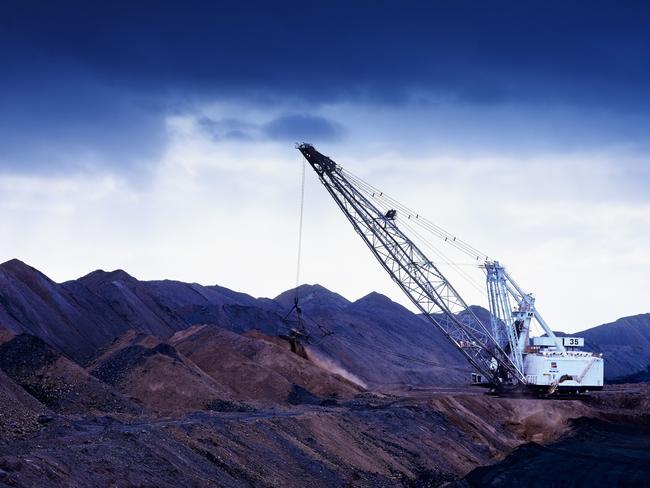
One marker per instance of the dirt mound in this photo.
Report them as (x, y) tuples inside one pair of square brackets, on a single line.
[(316, 374), (377, 340), (115, 368), (56, 381), (129, 338), (214, 351), (258, 367), (158, 376), (20, 413)]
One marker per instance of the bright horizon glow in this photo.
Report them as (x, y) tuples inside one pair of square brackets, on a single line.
[(178, 227)]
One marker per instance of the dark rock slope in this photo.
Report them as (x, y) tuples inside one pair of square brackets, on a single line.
[(20, 412), (597, 453), (624, 343), (368, 442), (385, 344), (81, 317), (57, 382), (374, 339)]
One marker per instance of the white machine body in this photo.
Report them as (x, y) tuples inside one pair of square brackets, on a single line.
[(549, 363), (572, 370)]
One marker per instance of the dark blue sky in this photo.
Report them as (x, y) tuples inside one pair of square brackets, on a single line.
[(102, 76)]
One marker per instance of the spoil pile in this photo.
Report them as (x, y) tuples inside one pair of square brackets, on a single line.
[(56, 381), (153, 372), (20, 413), (255, 367)]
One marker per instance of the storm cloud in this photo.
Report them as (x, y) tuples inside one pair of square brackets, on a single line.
[(90, 85)]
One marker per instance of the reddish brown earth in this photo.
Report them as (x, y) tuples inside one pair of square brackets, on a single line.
[(253, 433), (156, 375), (257, 367), (126, 383), (368, 441), (302, 425)]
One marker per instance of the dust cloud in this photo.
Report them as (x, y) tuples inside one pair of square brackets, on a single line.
[(328, 364)]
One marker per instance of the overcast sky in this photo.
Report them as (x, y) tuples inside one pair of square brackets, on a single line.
[(159, 138)]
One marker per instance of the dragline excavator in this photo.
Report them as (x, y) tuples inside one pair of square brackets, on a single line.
[(502, 352)]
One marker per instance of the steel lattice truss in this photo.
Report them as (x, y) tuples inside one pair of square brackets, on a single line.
[(503, 323), (415, 274)]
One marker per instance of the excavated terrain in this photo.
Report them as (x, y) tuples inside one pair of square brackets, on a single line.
[(20, 413), (153, 373), (56, 381), (209, 407), (594, 453), (107, 381), (257, 367), (425, 439), (608, 449)]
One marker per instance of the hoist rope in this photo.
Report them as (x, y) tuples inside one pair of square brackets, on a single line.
[(300, 224), (412, 219), (296, 306), (473, 282), (416, 218)]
